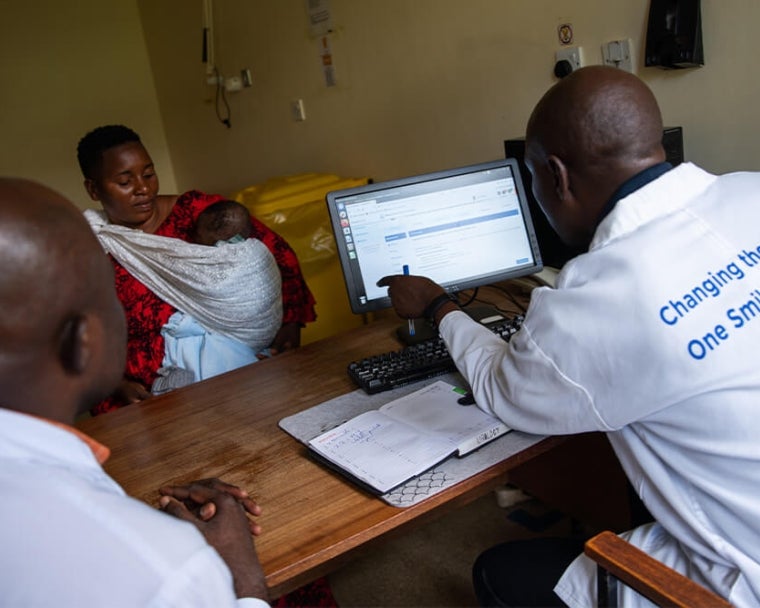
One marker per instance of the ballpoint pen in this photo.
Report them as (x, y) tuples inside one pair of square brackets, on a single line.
[(410, 321)]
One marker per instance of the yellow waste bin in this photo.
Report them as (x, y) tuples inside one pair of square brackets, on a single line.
[(294, 207)]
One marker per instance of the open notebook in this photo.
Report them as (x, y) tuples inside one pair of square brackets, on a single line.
[(381, 449)]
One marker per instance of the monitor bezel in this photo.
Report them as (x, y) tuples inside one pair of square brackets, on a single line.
[(350, 281)]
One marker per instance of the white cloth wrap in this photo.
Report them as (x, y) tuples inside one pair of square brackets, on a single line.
[(234, 290)]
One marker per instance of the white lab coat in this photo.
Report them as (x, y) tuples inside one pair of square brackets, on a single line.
[(70, 537), (619, 346)]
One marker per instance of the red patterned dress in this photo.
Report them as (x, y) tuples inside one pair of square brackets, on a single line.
[(146, 313)]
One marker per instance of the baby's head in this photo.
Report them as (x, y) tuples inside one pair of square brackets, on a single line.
[(222, 221)]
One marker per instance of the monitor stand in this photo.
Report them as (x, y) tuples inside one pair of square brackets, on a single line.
[(423, 330)]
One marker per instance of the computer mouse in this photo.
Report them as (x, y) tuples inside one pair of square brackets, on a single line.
[(467, 399)]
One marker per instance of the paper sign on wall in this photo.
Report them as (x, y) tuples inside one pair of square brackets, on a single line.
[(328, 68), (320, 17)]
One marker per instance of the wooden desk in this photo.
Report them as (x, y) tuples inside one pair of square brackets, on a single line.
[(226, 427)]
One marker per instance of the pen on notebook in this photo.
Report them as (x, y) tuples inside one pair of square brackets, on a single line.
[(411, 321)]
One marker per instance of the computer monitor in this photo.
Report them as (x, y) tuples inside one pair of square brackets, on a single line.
[(463, 228)]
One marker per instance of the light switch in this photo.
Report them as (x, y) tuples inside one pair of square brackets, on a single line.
[(297, 109)]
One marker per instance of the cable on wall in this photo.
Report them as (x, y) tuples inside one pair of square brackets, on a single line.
[(213, 76), (221, 102)]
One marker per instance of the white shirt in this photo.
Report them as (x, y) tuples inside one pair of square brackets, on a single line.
[(70, 537), (620, 346)]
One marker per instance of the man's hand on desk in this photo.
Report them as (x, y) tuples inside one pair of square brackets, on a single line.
[(219, 510), (205, 511)]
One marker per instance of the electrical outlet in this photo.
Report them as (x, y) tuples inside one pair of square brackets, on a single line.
[(233, 83), (571, 54), (214, 79)]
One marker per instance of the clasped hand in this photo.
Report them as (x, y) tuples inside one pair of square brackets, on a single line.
[(220, 511), (198, 499)]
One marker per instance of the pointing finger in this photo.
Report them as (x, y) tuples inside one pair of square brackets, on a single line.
[(386, 280)]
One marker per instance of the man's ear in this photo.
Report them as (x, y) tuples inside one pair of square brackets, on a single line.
[(92, 189), (561, 178), (75, 344)]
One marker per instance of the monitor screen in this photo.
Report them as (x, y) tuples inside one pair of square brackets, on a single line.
[(462, 228)]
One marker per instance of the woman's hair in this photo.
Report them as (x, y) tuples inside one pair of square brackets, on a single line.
[(91, 147)]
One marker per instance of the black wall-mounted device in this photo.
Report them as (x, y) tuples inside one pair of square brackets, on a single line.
[(553, 251), (674, 34)]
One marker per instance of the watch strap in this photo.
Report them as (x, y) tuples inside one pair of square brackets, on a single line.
[(436, 304)]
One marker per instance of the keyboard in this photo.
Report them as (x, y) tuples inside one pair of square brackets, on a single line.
[(416, 362)]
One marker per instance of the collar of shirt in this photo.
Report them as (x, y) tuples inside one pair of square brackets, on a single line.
[(100, 451), (637, 181)]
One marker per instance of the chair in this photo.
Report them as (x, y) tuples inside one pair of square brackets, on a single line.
[(618, 560)]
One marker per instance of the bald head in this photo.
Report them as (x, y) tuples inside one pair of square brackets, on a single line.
[(599, 117), (62, 328), (600, 125)]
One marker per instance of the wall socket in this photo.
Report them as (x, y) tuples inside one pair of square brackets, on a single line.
[(571, 54), (233, 84), (213, 79)]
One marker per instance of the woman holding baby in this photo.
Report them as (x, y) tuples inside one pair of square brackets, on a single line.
[(120, 174)]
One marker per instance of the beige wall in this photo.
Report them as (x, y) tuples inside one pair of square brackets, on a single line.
[(66, 68), (423, 84)]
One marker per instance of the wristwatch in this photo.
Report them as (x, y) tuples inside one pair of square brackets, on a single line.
[(436, 304)]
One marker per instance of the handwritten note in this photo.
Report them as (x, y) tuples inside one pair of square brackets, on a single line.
[(386, 447)]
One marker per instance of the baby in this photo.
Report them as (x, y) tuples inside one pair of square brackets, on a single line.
[(226, 221), (191, 351)]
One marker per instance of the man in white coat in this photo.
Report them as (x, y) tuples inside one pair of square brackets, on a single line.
[(649, 337)]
